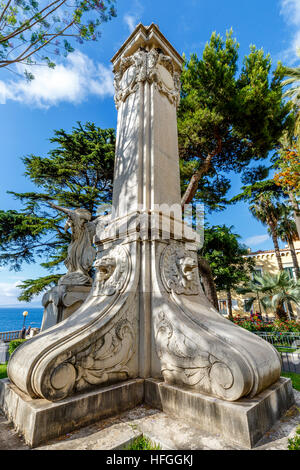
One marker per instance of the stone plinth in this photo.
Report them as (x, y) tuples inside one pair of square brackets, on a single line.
[(40, 420), (243, 422), (61, 302)]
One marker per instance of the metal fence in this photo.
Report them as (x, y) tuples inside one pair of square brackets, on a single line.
[(288, 345)]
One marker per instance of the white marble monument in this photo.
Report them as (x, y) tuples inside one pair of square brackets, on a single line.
[(146, 331)]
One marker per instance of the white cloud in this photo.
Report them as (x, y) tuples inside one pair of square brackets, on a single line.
[(9, 293), (131, 22), (290, 9), (72, 81), (256, 240), (133, 17)]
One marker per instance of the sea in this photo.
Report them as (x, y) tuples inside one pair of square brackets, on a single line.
[(11, 319)]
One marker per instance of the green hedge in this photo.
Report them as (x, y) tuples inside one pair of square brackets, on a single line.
[(3, 371), (14, 345)]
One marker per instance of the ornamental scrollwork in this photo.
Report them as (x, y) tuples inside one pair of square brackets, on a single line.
[(104, 361)]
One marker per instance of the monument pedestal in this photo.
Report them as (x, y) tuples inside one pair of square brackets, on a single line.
[(41, 420), (243, 422)]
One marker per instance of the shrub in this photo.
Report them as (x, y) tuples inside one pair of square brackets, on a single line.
[(294, 443), (142, 443), (14, 345), (3, 371), (255, 324)]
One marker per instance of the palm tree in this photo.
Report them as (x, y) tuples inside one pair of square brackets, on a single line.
[(267, 212), (287, 232), (273, 290), (293, 74)]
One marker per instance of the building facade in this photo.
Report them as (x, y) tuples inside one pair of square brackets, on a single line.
[(265, 262)]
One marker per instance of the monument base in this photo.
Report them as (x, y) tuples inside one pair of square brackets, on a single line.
[(243, 422), (40, 420), (61, 302)]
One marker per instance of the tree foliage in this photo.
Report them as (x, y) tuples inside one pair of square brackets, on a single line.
[(226, 257), (34, 32), (227, 119), (275, 290), (78, 172), (288, 175)]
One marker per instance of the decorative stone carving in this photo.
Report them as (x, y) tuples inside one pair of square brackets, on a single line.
[(178, 269), (102, 362), (112, 272), (62, 301), (81, 253), (183, 362), (152, 66), (53, 305)]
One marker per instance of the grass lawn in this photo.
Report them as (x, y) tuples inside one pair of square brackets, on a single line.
[(295, 378), (3, 373)]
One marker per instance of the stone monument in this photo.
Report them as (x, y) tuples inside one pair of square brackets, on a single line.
[(146, 332), (73, 288)]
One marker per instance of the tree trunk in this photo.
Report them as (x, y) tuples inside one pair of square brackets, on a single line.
[(194, 182), (276, 246), (281, 313), (259, 304), (294, 257), (296, 212), (208, 282), (229, 302)]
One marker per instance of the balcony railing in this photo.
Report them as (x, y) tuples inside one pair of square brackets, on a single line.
[(7, 336)]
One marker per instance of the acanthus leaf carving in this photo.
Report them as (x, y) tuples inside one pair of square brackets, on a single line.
[(184, 363), (149, 66), (103, 361)]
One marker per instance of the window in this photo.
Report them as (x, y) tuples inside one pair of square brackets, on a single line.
[(223, 307), (257, 272), (290, 271), (246, 310)]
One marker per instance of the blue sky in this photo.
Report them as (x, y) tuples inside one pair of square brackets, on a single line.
[(80, 88)]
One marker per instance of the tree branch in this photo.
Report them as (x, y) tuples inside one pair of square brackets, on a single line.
[(193, 185)]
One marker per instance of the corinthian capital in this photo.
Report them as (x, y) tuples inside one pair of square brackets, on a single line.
[(152, 66)]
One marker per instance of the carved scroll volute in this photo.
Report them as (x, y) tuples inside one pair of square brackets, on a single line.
[(152, 66), (186, 351), (187, 363), (102, 358), (104, 361)]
